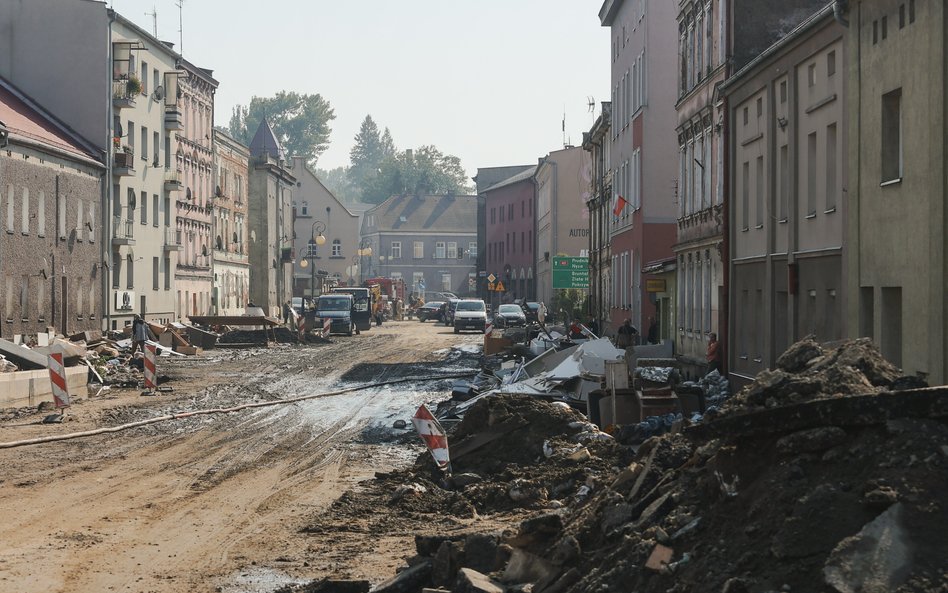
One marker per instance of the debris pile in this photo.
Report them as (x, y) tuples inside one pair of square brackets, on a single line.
[(839, 488)]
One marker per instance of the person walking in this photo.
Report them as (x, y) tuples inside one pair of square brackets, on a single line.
[(625, 338), (139, 334)]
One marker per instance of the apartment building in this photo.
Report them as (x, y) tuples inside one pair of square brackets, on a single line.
[(896, 271), (426, 241), (562, 219), (118, 89), (50, 206), (231, 259), (788, 112), (509, 243), (194, 163), (326, 233), (599, 204), (643, 164)]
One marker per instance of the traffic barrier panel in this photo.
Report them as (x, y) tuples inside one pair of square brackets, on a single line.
[(57, 376)]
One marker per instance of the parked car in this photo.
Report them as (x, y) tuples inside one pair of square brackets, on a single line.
[(470, 314), (531, 309), (338, 309), (510, 316), (449, 309), (430, 310)]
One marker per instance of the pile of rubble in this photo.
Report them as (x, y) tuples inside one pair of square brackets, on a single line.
[(837, 488)]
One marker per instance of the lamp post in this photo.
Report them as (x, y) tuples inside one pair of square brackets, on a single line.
[(365, 250), (318, 238), (354, 266)]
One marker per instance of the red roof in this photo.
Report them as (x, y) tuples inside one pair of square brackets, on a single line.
[(28, 122)]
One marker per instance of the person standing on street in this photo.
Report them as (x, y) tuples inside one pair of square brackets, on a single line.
[(714, 353), (625, 338), (287, 310), (139, 334)]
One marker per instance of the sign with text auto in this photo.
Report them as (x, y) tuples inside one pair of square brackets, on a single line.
[(571, 272)]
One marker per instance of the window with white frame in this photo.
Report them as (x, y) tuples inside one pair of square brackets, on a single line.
[(304, 209), (439, 250), (418, 249), (25, 212), (452, 250), (472, 250), (336, 248), (396, 250), (446, 282), (418, 281), (312, 249)]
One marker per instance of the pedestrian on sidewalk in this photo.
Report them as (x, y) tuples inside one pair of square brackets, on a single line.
[(139, 334), (714, 353), (287, 312), (625, 338)]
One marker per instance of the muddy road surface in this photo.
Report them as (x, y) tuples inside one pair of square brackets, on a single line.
[(217, 503)]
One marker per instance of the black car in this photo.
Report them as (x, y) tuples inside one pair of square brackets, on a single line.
[(510, 316), (531, 310), (430, 310)]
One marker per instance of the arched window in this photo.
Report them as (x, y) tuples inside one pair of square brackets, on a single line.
[(336, 248), (305, 209)]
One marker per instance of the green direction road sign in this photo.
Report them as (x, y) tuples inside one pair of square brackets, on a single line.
[(571, 272)]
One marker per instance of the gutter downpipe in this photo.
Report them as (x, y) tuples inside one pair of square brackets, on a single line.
[(725, 325), (107, 197)]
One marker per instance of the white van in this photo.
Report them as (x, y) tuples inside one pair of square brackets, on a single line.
[(470, 314)]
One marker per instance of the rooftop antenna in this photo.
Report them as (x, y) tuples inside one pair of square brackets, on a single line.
[(154, 20), (591, 106), (180, 5), (564, 124)]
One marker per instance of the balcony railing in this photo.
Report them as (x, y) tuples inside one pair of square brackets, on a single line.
[(173, 180), (121, 97), (123, 164), (172, 240), (123, 231)]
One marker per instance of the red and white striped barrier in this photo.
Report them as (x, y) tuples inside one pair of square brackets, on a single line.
[(327, 325), (151, 377), (430, 431), (488, 329), (57, 376)]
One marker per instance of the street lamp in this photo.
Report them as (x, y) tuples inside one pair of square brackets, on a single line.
[(354, 267), (316, 238), (365, 250)]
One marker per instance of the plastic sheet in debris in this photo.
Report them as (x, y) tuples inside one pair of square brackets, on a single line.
[(548, 360), (655, 374), (588, 359), (542, 343)]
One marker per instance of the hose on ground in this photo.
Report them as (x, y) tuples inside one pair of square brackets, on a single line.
[(180, 415)]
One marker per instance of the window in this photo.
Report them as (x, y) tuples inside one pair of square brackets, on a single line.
[(304, 210), (783, 92), (875, 32), (745, 195), (911, 11), (92, 221), (131, 134), (440, 249), (885, 27), (144, 78), (79, 220), (502, 211), (154, 273), (745, 115), (396, 250), (130, 271), (144, 143), (10, 208), (523, 209), (892, 136), (418, 281), (25, 212), (453, 246), (811, 75), (155, 143), (510, 212), (167, 208), (418, 248), (831, 63), (783, 179), (312, 249), (144, 202), (831, 167), (154, 210), (446, 282), (759, 206), (41, 214), (167, 273), (336, 248), (811, 174), (472, 250)]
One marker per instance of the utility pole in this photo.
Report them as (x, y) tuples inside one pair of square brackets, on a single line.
[(180, 5), (154, 21)]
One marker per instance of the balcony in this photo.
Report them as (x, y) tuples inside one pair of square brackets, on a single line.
[(173, 119), (122, 97), (172, 240), (123, 231), (173, 180), (123, 164)]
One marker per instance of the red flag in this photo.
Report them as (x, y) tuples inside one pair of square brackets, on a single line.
[(619, 207)]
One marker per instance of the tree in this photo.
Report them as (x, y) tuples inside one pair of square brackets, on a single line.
[(387, 144), (366, 156), (300, 122), (338, 182), (423, 171)]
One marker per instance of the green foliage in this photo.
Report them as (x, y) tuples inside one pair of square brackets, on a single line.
[(570, 303), (365, 157), (300, 122), (424, 171)]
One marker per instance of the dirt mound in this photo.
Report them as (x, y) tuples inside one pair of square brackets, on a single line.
[(261, 337), (807, 371)]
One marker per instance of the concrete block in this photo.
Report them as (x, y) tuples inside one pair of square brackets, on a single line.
[(471, 581)]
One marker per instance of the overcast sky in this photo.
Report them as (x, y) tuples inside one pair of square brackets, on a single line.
[(486, 80)]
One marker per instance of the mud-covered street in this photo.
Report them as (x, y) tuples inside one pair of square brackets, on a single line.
[(218, 502)]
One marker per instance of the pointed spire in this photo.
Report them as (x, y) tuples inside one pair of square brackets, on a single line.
[(265, 141)]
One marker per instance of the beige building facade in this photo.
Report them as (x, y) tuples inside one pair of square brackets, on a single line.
[(231, 263), (318, 211), (788, 207), (898, 270)]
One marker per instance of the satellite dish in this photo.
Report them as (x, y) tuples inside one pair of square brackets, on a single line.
[(159, 93), (591, 103)]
